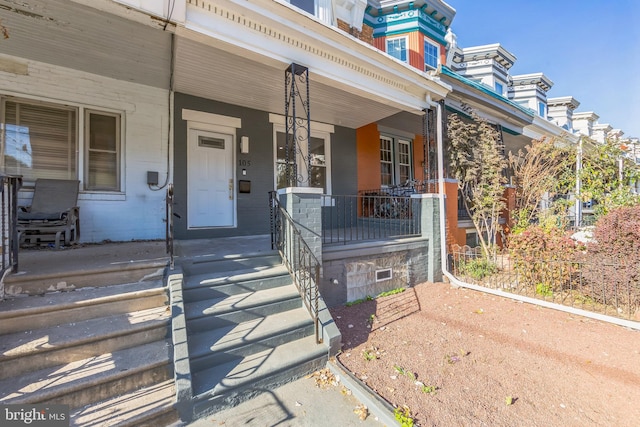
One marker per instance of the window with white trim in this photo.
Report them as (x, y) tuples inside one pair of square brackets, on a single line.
[(319, 175), (397, 47), (499, 88), (431, 55), (102, 141), (43, 140), (306, 5), (395, 160), (39, 140), (386, 160), (542, 109)]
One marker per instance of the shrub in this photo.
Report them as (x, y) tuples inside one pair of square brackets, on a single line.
[(540, 256), (614, 259), (478, 268)]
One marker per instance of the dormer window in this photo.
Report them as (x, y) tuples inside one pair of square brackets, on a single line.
[(431, 55), (397, 47), (542, 109), (499, 88)]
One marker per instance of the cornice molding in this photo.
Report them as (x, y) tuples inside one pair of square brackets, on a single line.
[(564, 101), (282, 25)]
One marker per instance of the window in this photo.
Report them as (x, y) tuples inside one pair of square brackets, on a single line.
[(39, 140), (397, 48), (43, 140), (386, 161), (319, 174), (306, 5), (103, 151), (499, 88), (542, 109), (431, 54), (395, 161)]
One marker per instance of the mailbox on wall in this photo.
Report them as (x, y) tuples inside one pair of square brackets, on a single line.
[(244, 186)]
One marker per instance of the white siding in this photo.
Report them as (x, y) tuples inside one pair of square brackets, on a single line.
[(137, 212)]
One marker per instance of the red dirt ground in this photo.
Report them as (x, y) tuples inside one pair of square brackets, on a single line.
[(491, 360)]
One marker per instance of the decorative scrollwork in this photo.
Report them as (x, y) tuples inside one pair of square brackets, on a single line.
[(298, 125)]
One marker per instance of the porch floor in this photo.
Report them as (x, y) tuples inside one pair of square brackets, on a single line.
[(112, 256)]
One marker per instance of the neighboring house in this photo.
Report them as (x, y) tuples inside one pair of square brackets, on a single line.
[(418, 33)]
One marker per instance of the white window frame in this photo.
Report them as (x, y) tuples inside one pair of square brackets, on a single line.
[(542, 109), (406, 47), (396, 141), (81, 146), (500, 91), (87, 149), (428, 67), (318, 130)]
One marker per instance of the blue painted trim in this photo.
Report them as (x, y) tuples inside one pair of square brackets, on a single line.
[(448, 72), (431, 36), (467, 116)]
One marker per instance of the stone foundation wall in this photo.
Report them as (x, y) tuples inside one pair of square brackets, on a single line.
[(350, 274)]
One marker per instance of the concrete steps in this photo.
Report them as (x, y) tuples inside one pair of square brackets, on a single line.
[(155, 408), (99, 350), (246, 329)]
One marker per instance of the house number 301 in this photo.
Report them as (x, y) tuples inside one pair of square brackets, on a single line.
[(243, 162)]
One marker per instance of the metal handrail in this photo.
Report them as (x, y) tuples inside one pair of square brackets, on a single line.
[(349, 219), (10, 184), (169, 224), (302, 264)]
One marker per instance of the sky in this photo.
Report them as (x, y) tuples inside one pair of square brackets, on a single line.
[(589, 49)]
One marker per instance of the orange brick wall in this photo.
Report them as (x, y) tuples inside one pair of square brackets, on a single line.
[(368, 149), (416, 48), (455, 235)]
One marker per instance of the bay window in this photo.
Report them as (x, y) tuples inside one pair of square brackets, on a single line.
[(397, 47), (431, 55)]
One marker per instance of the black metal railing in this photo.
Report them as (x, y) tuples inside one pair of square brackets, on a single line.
[(372, 215), (302, 264), (601, 286), (10, 184), (169, 214)]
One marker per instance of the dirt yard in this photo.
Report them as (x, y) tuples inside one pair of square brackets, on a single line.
[(458, 357)]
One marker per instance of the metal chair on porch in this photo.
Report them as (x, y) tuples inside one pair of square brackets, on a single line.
[(53, 215)]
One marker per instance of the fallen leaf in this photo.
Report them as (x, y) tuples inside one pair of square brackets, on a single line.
[(361, 411)]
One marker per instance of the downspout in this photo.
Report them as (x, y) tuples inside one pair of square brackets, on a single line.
[(443, 218)]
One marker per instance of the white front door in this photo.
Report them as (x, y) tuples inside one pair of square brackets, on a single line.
[(210, 180)]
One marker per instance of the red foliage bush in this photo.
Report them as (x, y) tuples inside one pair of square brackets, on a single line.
[(614, 257), (539, 243), (540, 258), (617, 235)]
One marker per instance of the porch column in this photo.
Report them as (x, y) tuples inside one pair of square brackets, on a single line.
[(429, 212), (304, 205)]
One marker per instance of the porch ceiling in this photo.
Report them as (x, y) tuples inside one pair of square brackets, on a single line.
[(244, 78), (111, 40), (72, 35)]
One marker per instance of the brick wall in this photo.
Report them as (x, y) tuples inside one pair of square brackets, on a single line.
[(366, 35)]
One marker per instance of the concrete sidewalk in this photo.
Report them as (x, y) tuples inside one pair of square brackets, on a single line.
[(302, 404)]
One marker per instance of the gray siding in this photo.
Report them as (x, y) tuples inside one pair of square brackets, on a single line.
[(253, 208)]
